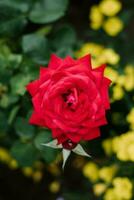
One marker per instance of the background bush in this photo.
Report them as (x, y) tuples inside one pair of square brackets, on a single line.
[(30, 30)]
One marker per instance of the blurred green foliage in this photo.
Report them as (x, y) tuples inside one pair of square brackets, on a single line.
[(30, 30)]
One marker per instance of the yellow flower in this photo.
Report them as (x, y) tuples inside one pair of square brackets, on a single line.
[(100, 55), (53, 169), (118, 92), (90, 48), (123, 146), (110, 195), (123, 188), (4, 155), (131, 151), (95, 63), (110, 7), (91, 171), (122, 154), (107, 146), (129, 78), (129, 69), (129, 82), (54, 187), (37, 176), (13, 164), (27, 171), (109, 56), (99, 188), (95, 25), (96, 17), (113, 26), (121, 80), (107, 173), (115, 143), (111, 74), (130, 118)]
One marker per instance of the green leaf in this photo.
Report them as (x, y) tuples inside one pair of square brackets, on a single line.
[(15, 60), (18, 4), (64, 51), (42, 137), (4, 101), (64, 37), (63, 41), (36, 46), (47, 153), (12, 21), (3, 123), (19, 82), (23, 129), (13, 114), (45, 30), (46, 11), (25, 153)]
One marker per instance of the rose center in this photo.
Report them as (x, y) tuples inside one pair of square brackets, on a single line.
[(71, 98)]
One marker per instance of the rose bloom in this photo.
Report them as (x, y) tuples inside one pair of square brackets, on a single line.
[(71, 99)]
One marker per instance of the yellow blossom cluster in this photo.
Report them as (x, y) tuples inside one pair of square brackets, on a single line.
[(100, 54), (130, 118), (122, 187), (105, 183), (107, 146), (54, 187), (107, 173), (94, 173), (104, 16), (35, 172), (122, 82), (91, 171), (121, 190), (6, 158), (99, 188), (122, 146)]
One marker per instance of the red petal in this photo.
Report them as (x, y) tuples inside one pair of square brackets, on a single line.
[(104, 92), (36, 120), (93, 133), (43, 71), (98, 122), (73, 136), (33, 87), (98, 75), (86, 60), (56, 133), (100, 69), (37, 101), (55, 61), (69, 61), (107, 81)]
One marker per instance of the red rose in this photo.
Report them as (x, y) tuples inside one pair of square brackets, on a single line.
[(70, 98)]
